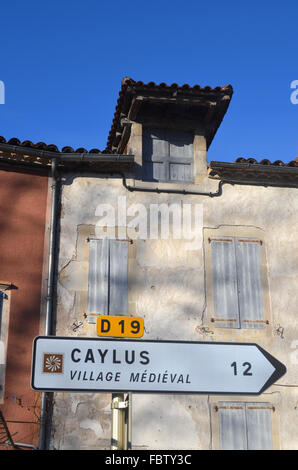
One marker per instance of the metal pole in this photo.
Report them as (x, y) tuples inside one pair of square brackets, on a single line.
[(129, 418), (120, 418)]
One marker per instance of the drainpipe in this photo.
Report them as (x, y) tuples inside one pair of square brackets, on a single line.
[(52, 243), (157, 190), (46, 398)]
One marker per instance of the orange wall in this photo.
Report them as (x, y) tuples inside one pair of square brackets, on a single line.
[(23, 200)]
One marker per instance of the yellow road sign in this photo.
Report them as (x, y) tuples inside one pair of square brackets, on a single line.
[(120, 326)]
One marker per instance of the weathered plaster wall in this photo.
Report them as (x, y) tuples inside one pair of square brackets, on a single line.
[(167, 288)]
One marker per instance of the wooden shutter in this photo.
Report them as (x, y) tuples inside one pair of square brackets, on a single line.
[(108, 278), (167, 155), (1, 303), (232, 426), (225, 295), (2, 296), (249, 283), (259, 426), (155, 155), (245, 426), (118, 277), (180, 156), (98, 282)]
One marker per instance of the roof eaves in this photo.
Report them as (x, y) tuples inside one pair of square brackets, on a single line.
[(174, 92), (255, 173), (10, 154)]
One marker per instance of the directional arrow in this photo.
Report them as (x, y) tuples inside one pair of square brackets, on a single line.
[(92, 364)]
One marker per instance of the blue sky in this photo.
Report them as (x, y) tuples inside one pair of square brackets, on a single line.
[(62, 63)]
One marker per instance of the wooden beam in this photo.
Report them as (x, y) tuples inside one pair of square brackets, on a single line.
[(134, 108)]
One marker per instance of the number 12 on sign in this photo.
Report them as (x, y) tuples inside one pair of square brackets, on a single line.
[(246, 368)]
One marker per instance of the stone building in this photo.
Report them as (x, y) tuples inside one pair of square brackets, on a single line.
[(202, 251)]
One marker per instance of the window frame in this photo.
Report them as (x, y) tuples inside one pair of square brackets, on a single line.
[(273, 401), (241, 232), (131, 266), (103, 248), (166, 160), (4, 331)]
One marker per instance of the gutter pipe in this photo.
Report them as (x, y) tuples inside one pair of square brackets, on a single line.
[(172, 191), (68, 157), (46, 397)]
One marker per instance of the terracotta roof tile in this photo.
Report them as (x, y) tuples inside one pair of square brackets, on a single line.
[(47, 147), (265, 161), (140, 86)]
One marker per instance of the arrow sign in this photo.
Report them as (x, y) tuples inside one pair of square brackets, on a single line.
[(104, 365)]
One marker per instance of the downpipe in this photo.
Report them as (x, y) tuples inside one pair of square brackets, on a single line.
[(46, 397), (157, 190)]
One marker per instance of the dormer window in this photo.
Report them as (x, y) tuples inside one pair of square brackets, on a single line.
[(167, 155)]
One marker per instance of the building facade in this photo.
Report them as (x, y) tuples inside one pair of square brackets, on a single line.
[(202, 251), (23, 199)]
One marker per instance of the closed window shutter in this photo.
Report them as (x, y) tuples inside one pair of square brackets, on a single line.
[(118, 277), (0, 311), (167, 155), (245, 426), (108, 277), (3, 344), (232, 426), (225, 296), (1, 302), (259, 426), (181, 156), (2, 296), (249, 283), (98, 282), (155, 155)]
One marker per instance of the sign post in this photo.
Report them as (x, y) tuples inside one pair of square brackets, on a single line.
[(120, 327), (142, 366)]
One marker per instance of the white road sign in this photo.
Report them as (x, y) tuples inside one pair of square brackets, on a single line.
[(98, 365)]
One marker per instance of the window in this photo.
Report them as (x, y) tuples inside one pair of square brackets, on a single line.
[(167, 155), (2, 296), (3, 339), (108, 277), (245, 426), (237, 284)]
